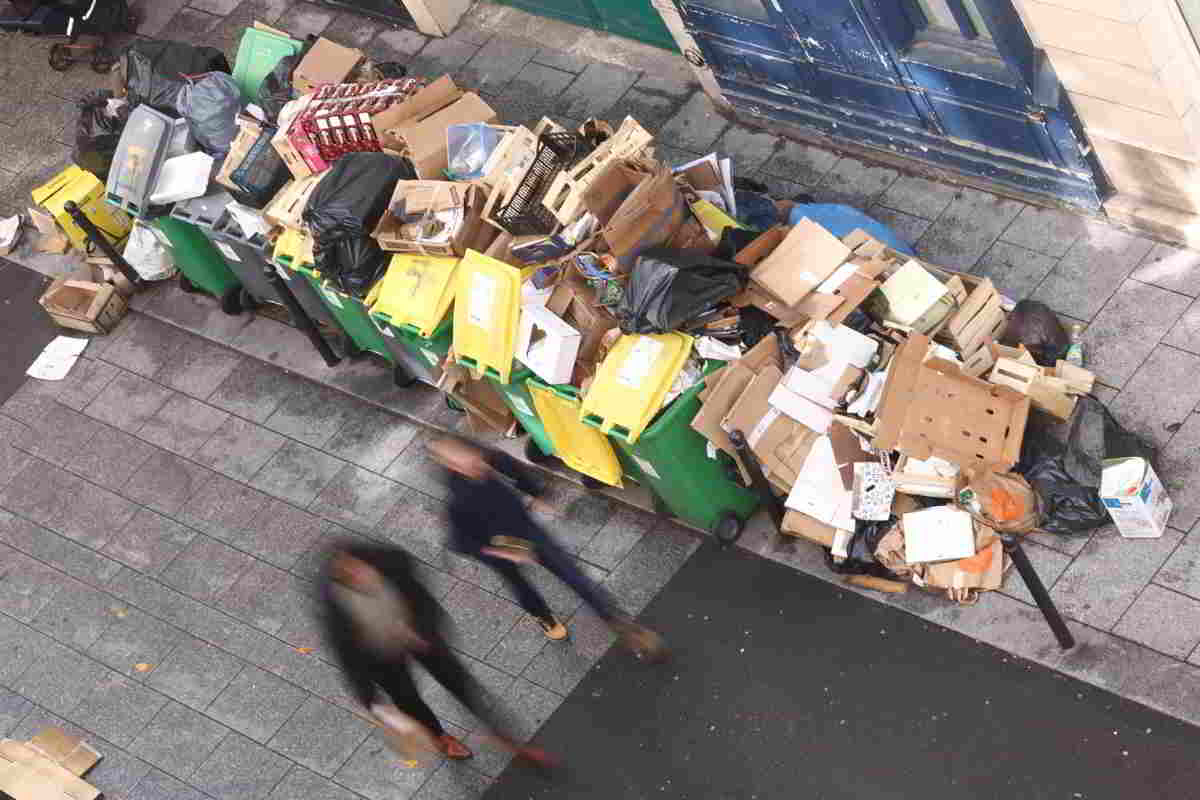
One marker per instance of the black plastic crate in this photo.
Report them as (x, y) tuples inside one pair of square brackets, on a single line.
[(524, 214), (262, 172)]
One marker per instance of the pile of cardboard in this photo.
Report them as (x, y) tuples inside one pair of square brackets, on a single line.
[(50, 766)]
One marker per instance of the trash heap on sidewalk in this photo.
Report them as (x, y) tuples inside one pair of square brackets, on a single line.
[(670, 326)]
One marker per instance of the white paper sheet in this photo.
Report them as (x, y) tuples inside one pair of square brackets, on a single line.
[(55, 361)]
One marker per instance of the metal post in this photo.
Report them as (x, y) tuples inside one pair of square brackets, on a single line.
[(300, 317), (1012, 546), (100, 240), (758, 481)]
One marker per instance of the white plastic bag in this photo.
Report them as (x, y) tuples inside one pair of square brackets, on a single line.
[(148, 255)]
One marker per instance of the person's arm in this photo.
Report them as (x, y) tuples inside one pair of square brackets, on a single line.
[(515, 471)]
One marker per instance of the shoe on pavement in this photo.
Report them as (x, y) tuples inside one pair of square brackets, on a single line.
[(452, 748), (555, 631)]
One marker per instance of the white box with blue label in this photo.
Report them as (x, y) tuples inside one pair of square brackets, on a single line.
[(1135, 498)]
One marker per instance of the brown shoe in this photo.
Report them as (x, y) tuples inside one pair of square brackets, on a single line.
[(643, 642), (555, 631), (453, 748)]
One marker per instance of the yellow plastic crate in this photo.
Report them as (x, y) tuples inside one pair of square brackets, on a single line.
[(416, 290), (486, 311), (294, 250), (582, 447), (87, 191), (632, 381)]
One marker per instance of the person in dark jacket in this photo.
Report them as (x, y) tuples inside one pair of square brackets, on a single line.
[(378, 619), (489, 522)]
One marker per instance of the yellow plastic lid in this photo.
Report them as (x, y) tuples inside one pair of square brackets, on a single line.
[(632, 381), (416, 290), (487, 308), (582, 447), (294, 250)]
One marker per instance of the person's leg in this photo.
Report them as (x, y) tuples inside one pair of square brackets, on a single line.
[(398, 684), (563, 567), (528, 597)]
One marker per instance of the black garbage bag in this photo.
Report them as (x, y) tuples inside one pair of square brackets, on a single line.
[(97, 133), (343, 211), (1034, 325), (756, 210), (860, 552), (154, 70), (733, 241), (668, 288), (276, 90), (210, 103)]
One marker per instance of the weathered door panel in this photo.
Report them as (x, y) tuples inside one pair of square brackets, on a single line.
[(992, 129), (834, 33)]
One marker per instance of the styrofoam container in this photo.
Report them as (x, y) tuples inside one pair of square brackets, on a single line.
[(182, 178)]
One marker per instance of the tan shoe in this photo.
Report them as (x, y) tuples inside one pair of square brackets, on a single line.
[(555, 631)]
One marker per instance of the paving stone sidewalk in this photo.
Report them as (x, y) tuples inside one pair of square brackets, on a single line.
[(190, 437)]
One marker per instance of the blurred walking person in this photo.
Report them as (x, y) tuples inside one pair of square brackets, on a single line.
[(489, 522), (379, 619)]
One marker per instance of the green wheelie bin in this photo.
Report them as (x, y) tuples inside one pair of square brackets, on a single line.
[(674, 460), (422, 356), (201, 265), (540, 448)]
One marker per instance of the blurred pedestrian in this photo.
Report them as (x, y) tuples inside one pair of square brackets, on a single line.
[(380, 618), (489, 522)]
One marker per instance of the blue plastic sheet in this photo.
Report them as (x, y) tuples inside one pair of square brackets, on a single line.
[(841, 220)]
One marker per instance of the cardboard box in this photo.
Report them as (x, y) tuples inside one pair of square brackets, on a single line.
[(287, 209), (86, 191), (546, 344), (940, 533), (565, 196), (417, 127), (487, 412), (931, 408), (933, 477), (638, 205), (1047, 393), (1135, 498), (49, 766), (84, 305), (801, 525), (460, 201), (325, 62), (912, 299), (806, 256), (573, 301)]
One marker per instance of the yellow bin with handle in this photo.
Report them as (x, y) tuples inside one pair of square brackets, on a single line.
[(632, 382), (487, 309), (416, 291), (87, 192), (581, 447)]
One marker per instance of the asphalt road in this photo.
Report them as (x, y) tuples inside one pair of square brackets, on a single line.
[(785, 687), (24, 327)]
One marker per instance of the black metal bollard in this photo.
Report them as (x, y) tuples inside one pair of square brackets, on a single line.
[(300, 317), (101, 241), (772, 503), (1012, 546)]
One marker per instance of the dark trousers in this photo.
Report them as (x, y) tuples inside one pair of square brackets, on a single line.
[(563, 567), (445, 667)]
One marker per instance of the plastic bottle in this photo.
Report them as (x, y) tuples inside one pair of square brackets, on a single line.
[(1075, 351)]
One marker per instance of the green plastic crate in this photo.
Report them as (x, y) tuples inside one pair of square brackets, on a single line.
[(257, 55)]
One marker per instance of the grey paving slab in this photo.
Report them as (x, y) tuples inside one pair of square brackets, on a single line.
[(967, 228), (1095, 265), (13, 709), (165, 482), (37, 491), (352, 30), (86, 379), (29, 401), (12, 461), (91, 515), (855, 183), (128, 401), (218, 7), (256, 703), (254, 390), (414, 467), (149, 542), (1181, 573), (748, 148), (240, 769), (357, 498), (375, 772), (239, 448), (206, 568), (1174, 268), (77, 616), (1162, 619), (58, 434), (478, 619), (303, 784), (57, 551), (1049, 231), (59, 678), (559, 59), (297, 473), (320, 736), (534, 93), (518, 647), (194, 673), (134, 637), (183, 425), (198, 367), (578, 514), (178, 739), (619, 534), (919, 196), (1108, 575), (800, 163), (399, 44), (650, 564), (1160, 395), (1185, 334), (281, 533), (118, 708), (265, 596), (1125, 332), (191, 25), (158, 785), (222, 508), (110, 458), (442, 56), (196, 313), (1014, 270), (21, 644), (161, 601), (908, 227), (29, 585), (696, 126), (372, 438), (306, 19), (560, 666), (595, 91), (312, 415), (495, 64), (454, 781), (529, 706), (651, 103), (144, 345)]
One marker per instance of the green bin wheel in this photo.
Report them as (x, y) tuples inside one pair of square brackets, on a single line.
[(402, 377), (535, 454), (187, 286), (728, 529), (231, 301)]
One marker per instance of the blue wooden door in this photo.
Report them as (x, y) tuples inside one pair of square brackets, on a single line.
[(954, 83)]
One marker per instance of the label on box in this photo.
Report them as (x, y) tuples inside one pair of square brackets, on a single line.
[(640, 361), (481, 299), (520, 405), (227, 251), (646, 467)]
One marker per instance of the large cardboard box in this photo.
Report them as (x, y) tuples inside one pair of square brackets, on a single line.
[(325, 62), (1135, 498), (417, 127), (574, 301), (431, 200), (638, 205), (931, 408), (84, 305), (806, 257)]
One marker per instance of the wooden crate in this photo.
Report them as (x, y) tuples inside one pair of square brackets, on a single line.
[(564, 198), (1045, 392)]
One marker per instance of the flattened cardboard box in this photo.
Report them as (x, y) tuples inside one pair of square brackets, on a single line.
[(417, 127), (326, 62), (807, 256)]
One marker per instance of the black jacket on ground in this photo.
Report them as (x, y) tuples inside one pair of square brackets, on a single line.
[(480, 510)]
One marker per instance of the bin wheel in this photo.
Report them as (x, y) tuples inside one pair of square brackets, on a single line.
[(535, 454), (231, 301), (402, 377), (454, 405), (246, 301), (61, 58), (728, 529), (186, 285), (103, 59), (591, 484)]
